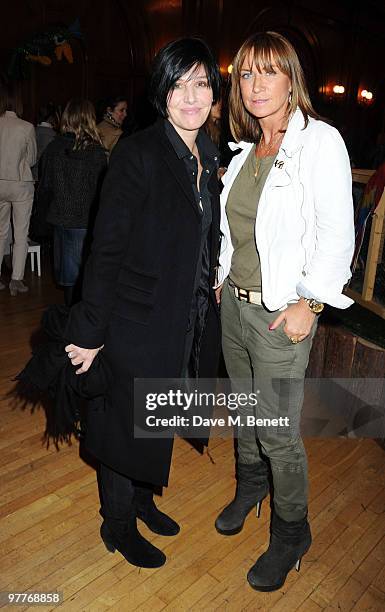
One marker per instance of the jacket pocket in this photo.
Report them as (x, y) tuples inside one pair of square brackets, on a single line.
[(136, 294), (284, 337), (142, 281)]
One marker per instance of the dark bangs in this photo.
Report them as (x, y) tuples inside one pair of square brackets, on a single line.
[(173, 61)]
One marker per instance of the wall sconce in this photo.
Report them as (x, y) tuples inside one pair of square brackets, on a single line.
[(332, 93), (338, 90), (365, 97), (226, 71)]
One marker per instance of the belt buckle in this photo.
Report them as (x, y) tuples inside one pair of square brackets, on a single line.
[(243, 295)]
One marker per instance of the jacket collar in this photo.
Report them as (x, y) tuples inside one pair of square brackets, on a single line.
[(207, 150), (291, 141), (280, 174)]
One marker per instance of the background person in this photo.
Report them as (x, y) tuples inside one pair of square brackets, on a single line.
[(72, 171), (17, 156), (288, 239), (110, 128), (217, 128), (45, 132)]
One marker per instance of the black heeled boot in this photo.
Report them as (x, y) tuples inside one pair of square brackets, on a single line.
[(252, 488), (147, 511), (289, 541), (125, 537), (119, 530)]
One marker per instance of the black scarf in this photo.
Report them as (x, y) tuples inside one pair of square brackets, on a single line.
[(50, 376)]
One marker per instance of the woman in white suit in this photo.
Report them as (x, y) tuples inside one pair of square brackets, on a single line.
[(17, 155)]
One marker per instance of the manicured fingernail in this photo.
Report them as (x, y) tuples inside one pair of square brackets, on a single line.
[(270, 327)]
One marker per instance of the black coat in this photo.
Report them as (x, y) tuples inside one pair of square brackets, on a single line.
[(138, 290)]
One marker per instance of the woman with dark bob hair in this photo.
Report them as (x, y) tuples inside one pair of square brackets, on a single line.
[(148, 301), (287, 221)]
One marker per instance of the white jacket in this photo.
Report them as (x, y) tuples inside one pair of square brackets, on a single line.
[(304, 229)]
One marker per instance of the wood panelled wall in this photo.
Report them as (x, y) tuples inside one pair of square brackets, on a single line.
[(339, 41)]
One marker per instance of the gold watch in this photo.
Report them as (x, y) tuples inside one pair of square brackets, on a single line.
[(314, 306)]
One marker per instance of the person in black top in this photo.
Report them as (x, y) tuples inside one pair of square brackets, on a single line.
[(72, 169), (148, 299)]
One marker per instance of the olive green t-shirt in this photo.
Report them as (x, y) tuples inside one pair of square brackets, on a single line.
[(241, 209)]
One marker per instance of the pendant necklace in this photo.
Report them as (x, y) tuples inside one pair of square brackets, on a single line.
[(268, 149)]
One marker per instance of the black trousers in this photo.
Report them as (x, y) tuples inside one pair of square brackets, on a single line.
[(117, 493)]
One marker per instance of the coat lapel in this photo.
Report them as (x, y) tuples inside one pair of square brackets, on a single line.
[(179, 171), (280, 174), (177, 168)]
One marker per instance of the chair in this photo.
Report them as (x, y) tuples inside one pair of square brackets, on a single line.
[(34, 249)]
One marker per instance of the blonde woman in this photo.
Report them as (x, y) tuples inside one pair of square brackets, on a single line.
[(288, 237), (73, 167)]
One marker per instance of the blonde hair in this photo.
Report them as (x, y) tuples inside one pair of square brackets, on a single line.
[(267, 48), (79, 118)]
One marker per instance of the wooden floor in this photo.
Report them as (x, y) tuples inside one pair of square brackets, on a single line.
[(49, 516)]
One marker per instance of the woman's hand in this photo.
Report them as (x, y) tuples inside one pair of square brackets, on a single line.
[(82, 356), (218, 293), (298, 320)]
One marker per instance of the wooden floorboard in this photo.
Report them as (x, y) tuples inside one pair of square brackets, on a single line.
[(49, 520)]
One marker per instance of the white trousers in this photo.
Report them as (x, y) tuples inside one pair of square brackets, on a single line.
[(16, 198)]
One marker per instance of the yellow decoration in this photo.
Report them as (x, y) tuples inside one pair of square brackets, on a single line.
[(44, 60)]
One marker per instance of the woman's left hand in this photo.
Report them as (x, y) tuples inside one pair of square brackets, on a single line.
[(84, 356), (298, 320)]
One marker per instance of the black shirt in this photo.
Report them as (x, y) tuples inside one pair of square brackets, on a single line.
[(209, 158)]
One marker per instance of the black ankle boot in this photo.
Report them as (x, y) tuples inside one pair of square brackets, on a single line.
[(125, 537), (147, 511), (252, 488), (289, 541)]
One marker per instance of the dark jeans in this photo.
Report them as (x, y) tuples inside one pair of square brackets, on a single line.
[(68, 254)]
